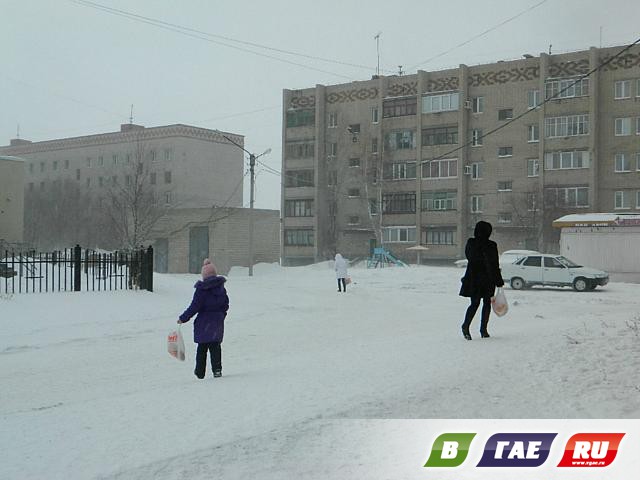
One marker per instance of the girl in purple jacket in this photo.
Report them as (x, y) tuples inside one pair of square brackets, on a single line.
[(210, 302)]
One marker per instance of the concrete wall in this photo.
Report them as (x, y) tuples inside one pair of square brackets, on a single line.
[(11, 200)]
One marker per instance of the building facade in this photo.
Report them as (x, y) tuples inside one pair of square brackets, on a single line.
[(11, 201), (401, 160)]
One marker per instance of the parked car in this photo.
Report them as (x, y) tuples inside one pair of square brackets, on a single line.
[(6, 271), (509, 256), (554, 270)]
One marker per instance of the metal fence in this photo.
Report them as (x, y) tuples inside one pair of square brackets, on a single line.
[(75, 269)]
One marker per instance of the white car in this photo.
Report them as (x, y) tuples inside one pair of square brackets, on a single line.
[(554, 270), (509, 256)]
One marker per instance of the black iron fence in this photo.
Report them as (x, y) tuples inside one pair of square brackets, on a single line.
[(76, 269)]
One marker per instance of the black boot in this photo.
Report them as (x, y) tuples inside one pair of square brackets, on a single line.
[(466, 334), (485, 334)]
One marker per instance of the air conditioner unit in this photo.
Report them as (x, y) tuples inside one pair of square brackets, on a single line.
[(468, 170), (467, 104)]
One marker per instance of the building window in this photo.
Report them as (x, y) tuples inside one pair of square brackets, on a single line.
[(399, 203), (623, 163), (114, 180), (77, 174), (354, 129), (399, 107), (332, 178), (532, 202), (31, 186), (402, 140), (398, 234), (101, 161), (505, 186), (569, 126), (533, 98), (440, 136), (88, 181), (127, 159), (55, 165), (353, 192), (333, 120), (399, 171), (152, 178), (373, 206), (533, 167), (301, 118), (299, 150), (476, 137), (440, 237), (566, 160), (41, 166), (127, 180), (354, 162), (115, 160), (533, 132), (623, 127), (374, 145), (505, 217), (298, 237), (168, 198), (622, 200), (566, 197), (505, 114), (446, 168), (446, 102), (476, 204), (476, 170), (66, 164), (168, 154), (353, 220), (332, 150), (41, 185), (505, 151), (622, 89), (299, 178), (298, 208), (375, 115), (477, 104), (433, 201), (567, 88), (100, 182), (31, 168), (88, 162), (167, 177)]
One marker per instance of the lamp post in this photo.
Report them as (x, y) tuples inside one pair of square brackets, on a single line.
[(252, 164)]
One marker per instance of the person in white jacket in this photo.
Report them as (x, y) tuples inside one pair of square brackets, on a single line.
[(341, 272)]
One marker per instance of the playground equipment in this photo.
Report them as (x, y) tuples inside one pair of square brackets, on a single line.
[(383, 258)]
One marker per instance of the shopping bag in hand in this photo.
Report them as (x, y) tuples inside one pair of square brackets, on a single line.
[(499, 303), (347, 280), (175, 344)]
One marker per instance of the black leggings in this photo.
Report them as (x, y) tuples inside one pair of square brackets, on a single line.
[(201, 357), (343, 282), (473, 308)]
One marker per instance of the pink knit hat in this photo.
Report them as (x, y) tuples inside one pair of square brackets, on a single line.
[(208, 269)]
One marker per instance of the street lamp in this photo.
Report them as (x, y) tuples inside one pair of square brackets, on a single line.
[(252, 164)]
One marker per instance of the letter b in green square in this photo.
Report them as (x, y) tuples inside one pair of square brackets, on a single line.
[(450, 450)]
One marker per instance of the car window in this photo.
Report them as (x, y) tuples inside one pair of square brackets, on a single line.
[(532, 262), (551, 262), (565, 261)]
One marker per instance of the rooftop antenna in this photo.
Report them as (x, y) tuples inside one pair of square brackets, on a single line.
[(131, 115), (377, 37), (18, 133), (400, 72)]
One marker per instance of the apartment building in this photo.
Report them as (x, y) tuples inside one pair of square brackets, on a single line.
[(419, 159), (11, 201)]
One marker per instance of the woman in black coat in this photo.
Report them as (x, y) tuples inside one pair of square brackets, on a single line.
[(481, 278)]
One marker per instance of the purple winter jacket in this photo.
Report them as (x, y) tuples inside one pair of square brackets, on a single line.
[(210, 302)]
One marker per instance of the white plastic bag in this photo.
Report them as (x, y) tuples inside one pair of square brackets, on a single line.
[(499, 303), (175, 344), (347, 280)]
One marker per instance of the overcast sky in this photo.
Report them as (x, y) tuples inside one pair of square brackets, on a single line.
[(70, 69)]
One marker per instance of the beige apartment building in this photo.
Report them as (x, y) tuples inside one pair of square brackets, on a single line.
[(419, 159), (11, 201)]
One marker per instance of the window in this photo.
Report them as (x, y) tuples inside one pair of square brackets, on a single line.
[(127, 159), (66, 164), (533, 98), (622, 200), (505, 151), (477, 104), (301, 118), (446, 102), (439, 237), (622, 89), (77, 174), (353, 192), (100, 182), (332, 149), (476, 170), (373, 206), (55, 165), (299, 178), (399, 107), (299, 150), (127, 180), (533, 133), (298, 238), (375, 115), (398, 234), (567, 88), (402, 140), (505, 186), (167, 177), (532, 262), (115, 159), (88, 182), (440, 136), (354, 128), (88, 162), (399, 203), (153, 156), (532, 202), (572, 125), (168, 197), (446, 168), (623, 163), (566, 160), (31, 168), (476, 204), (399, 171), (353, 220), (298, 208), (374, 145), (623, 127), (31, 186), (332, 178), (168, 154), (533, 167), (354, 162), (476, 137), (152, 178), (114, 180), (432, 201), (41, 185), (101, 161), (333, 120), (505, 217), (566, 197), (505, 114)]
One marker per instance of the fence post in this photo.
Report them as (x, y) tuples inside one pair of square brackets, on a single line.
[(77, 271), (148, 268)]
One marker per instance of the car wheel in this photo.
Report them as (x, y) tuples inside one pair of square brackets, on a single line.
[(517, 283), (580, 284)]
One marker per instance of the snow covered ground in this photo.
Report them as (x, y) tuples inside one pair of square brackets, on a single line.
[(89, 391)]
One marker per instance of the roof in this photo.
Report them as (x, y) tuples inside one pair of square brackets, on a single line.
[(10, 158), (597, 220)]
